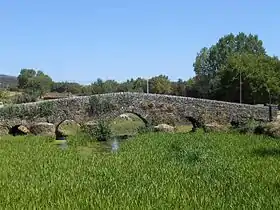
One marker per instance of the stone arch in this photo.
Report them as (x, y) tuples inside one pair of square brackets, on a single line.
[(114, 114), (140, 116), (59, 133), (126, 123)]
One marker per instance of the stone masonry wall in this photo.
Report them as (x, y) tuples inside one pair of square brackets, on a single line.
[(152, 108)]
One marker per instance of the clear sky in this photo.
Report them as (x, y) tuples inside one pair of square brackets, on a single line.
[(119, 39)]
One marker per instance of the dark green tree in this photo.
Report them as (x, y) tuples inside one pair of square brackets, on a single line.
[(160, 85), (259, 74), (34, 82), (39, 84), (24, 76), (209, 62)]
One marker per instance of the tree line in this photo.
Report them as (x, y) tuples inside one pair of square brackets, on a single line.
[(236, 69)]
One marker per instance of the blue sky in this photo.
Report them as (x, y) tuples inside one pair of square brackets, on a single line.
[(119, 39)]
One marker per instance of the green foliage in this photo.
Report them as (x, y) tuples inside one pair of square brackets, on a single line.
[(101, 131), (249, 127), (152, 171), (70, 87), (179, 87), (210, 63), (145, 129), (160, 84), (24, 76), (34, 82), (4, 96), (260, 78), (24, 98)]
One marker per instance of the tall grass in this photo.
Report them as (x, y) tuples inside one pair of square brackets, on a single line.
[(153, 171)]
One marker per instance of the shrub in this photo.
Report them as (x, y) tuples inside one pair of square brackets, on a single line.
[(250, 127), (4, 96), (101, 131), (24, 98), (145, 129)]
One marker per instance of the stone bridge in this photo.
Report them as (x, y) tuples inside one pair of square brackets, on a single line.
[(151, 108)]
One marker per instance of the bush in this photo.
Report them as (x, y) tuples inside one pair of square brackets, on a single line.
[(24, 98), (145, 129), (250, 126), (4, 96), (101, 131)]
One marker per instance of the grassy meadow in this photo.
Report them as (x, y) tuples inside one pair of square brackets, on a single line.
[(151, 171), (121, 126)]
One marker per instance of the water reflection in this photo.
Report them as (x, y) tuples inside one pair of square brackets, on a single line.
[(112, 145), (61, 143)]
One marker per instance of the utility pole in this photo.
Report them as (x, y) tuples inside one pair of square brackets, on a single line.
[(147, 85), (240, 87), (270, 108)]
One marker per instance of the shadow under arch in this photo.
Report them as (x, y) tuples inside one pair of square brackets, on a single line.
[(15, 131), (195, 123)]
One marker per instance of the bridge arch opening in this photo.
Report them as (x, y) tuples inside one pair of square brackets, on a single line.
[(127, 123), (194, 123), (17, 131), (66, 128), (188, 124)]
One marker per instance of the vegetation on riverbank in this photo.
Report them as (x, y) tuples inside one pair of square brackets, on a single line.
[(154, 170)]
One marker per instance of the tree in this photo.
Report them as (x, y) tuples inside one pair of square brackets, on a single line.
[(62, 87), (210, 61), (34, 82), (203, 72), (110, 86), (179, 88), (139, 85), (160, 85), (24, 76), (39, 84), (260, 77)]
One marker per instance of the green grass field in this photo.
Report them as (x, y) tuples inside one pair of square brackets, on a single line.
[(152, 171)]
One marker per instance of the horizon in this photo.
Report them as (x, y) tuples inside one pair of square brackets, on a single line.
[(120, 40)]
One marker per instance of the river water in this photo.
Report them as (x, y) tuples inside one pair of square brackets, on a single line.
[(111, 145)]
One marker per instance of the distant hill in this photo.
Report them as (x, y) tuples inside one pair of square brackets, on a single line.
[(7, 81)]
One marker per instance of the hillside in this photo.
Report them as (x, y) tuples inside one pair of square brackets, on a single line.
[(7, 81)]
